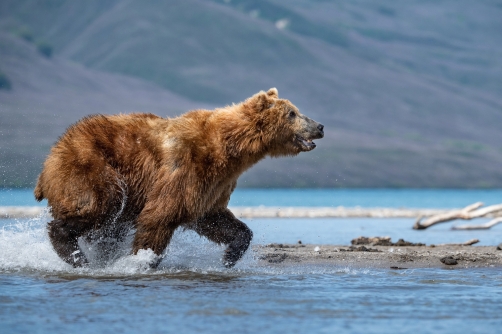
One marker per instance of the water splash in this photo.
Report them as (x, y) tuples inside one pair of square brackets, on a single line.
[(25, 248), (25, 245)]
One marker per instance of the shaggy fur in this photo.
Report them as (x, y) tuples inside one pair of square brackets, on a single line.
[(112, 173)]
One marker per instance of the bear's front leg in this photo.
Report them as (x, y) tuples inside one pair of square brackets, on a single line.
[(155, 238), (154, 230), (222, 227)]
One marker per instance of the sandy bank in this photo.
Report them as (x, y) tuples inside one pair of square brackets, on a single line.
[(407, 257), (17, 212)]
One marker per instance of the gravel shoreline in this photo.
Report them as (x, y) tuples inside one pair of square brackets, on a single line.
[(393, 257)]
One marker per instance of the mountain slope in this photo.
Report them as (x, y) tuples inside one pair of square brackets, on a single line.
[(410, 92)]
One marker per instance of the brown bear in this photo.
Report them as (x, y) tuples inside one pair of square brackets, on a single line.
[(152, 174)]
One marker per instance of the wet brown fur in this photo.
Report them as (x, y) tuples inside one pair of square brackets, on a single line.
[(161, 173)]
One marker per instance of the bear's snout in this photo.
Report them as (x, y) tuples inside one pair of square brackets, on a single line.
[(309, 131), (315, 129), (320, 127)]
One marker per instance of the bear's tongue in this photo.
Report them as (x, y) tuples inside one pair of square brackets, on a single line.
[(307, 142)]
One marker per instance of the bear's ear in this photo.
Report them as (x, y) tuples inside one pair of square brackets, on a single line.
[(273, 93), (261, 101)]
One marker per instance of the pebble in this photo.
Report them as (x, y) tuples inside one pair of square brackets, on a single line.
[(499, 247), (449, 260)]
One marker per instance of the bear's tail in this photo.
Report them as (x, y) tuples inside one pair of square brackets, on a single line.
[(38, 192)]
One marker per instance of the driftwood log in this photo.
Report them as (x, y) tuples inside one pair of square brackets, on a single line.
[(467, 243), (469, 212), (484, 226)]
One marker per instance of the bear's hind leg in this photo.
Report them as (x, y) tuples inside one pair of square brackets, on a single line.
[(222, 227), (64, 234)]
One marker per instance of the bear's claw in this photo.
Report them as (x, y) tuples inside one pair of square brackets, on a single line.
[(231, 257)]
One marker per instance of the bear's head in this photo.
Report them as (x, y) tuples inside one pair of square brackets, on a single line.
[(280, 125)]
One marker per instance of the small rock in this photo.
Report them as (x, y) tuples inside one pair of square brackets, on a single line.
[(317, 249), (274, 245), (499, 247), (360, 241), (383, 241), (370, 240), (362, 249), (449, 260), (402, 242), (274, 258), (299, 242)]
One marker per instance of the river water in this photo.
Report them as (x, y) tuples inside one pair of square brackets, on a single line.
[(387, 198), (192, 292)]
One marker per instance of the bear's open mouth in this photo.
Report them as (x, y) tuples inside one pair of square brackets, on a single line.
[(306, 144)]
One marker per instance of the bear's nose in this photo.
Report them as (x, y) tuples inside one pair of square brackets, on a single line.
[(320, 127)]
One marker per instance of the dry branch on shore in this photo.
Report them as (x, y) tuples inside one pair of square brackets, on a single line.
[(467, 243), (485, 226), (469, 212)]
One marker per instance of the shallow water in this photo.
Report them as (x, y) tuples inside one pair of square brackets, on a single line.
[(192, 292), (340, 231), (308, 300)]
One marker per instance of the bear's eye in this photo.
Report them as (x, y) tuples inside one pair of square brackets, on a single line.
[(292, 113)]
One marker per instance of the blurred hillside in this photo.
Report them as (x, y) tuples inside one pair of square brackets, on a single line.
[(410, 92)]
